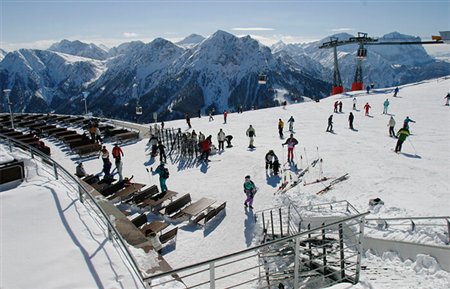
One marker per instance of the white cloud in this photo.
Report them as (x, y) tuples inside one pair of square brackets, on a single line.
[(130, 34), (252, 29), (342, 29)]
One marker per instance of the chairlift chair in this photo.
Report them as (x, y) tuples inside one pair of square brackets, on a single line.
[(362, 53), (138, 110), (262, 79)]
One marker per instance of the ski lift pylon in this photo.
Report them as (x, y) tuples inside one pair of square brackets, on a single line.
[(138, 110)]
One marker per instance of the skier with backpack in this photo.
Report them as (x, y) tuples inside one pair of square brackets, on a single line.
[(250, 191), (402, 134), (291, 142), (163, 173)]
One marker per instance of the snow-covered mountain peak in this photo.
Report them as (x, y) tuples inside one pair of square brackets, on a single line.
[(80, 49), (2, 54), (191, 41)]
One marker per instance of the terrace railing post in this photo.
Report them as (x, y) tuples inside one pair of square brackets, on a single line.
[(80, 193), (296, 261), (271, 224), (309, 247), (32, 154), (360, 249), (55, 170), (289, 220), (341, 249), (324, 250), (448, 228), (281, 223), (212, 276), (112, 219)]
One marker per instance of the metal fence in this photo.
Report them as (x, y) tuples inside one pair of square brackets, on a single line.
[(411, 223), (325, 252), (84, 196)]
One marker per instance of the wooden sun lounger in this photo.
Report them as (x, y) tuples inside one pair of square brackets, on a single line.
[(155, 226), (176, 205), (197, 207), (203, 218), (158, 199), (164, 238), (87, 149), (139, 220), (126, 191)]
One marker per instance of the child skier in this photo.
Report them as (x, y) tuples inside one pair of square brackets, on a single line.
[(249, 190)]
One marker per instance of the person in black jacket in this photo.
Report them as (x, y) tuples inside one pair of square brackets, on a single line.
[(330, 124), (350, 120), (162, 153)]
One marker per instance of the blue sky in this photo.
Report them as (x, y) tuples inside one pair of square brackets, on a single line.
[(38, 24)]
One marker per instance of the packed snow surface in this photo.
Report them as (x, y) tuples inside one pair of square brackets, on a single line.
[(412, 183)]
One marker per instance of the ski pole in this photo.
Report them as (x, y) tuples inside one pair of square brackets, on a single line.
[(412, 146)]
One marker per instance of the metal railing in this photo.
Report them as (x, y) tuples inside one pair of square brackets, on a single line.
[(84, 196), (410, 222), (323, 251)]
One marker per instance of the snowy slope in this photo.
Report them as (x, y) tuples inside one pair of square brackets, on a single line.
[(413, 183)]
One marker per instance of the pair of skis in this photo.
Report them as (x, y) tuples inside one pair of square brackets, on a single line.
[(330, 185)]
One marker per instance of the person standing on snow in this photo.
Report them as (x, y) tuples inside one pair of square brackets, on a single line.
[(162, 152), (350, 120), (291, 123), (225, 114), (117, 155), (330, 124), (251, 134), (291, 143), (221, 139), (354, 103), (385, 105), (336, 103), (280, 127), (402, 134), (406, 122), (163, 173), (188, 119), (205, 148), (447, 97), (270, 157), (391, 125), (366, 108), (340, 106), (396, 91), (104, 154), (249, 190)]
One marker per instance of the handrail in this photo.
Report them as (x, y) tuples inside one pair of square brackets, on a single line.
[(248, 250), (407, 218), (110, 226)]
